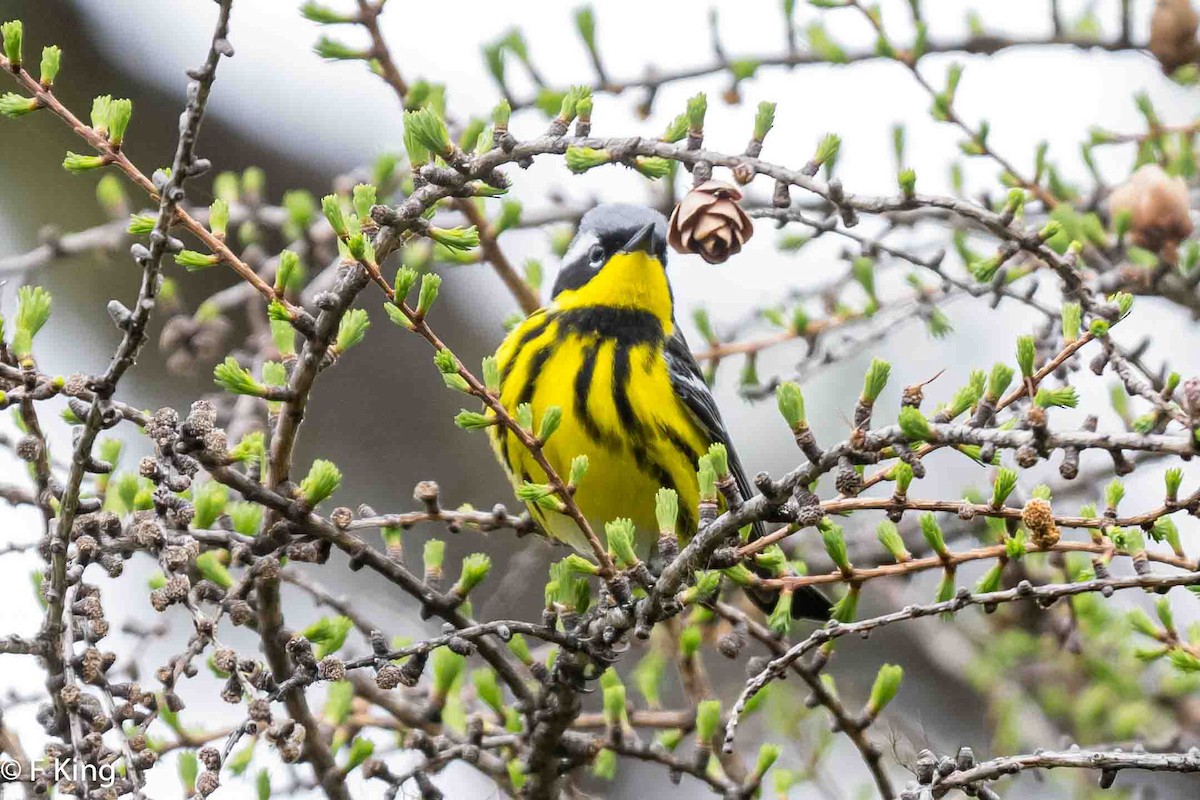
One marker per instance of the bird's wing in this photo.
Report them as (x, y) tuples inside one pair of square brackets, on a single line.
[(689, 384)]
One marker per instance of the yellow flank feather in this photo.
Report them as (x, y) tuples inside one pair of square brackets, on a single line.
[(618, 405)]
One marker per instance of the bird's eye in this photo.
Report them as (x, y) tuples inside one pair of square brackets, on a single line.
[(596, 257)]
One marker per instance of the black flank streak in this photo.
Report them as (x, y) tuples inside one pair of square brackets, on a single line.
[(526, 338), (626, 326), (536, 362), (583, 388)]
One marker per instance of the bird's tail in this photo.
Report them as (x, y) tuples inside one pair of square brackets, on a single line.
[(807, 601)]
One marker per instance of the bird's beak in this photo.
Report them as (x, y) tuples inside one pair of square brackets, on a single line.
[(642, 241)]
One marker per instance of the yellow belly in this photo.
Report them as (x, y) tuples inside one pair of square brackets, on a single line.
[(638, 437)]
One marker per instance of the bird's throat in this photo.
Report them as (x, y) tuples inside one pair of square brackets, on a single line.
[(634, 281)]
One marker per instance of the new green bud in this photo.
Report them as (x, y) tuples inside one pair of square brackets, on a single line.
[(913, 425), (12, 31), (475, 568), (1072, 316), (768, 754), (323, 15), (51, 61), (363, 201), (653, 167), (1165, 613), (614, 705), (719, 455), (458, 239), (445, 667), (13, 105), (876, 379), (1140, 622), (887, 684), (1063, 397), (285, 273), (331, 207), (579, 468), (827, 149), (210, 567), (999, 381), (708, 718), (236, 379), (352, 329), (707, 479), (334, 50), (990, 581), (1006, 481), (33, 311), (193, 261), (581, 159), (431, 282), (533, 274), (889, 537), (966, 397), (208, 503), (791, 404), (473, 420), (902, 474), (524, 416), (246, 518), (1173, 478), (501, 115), (845, 609), (249, 449), (946, 587), (619, 534), (487, 689), (433, 557), (666, 511), (835, 545), (697, 107), (780, 618), (76, 163), (580, 565), (764, 120), (933, 533), (907, 180), (427, 129), (99, 115), (406, 278), (676, 129), (322, 480), (1114, 493), (119, 114), (1025, 355), (218, 217)]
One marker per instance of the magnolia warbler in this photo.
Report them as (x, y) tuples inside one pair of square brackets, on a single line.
[(607, 353)]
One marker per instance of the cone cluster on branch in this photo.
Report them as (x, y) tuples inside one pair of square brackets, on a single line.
[(709, 221), (1158, 205)]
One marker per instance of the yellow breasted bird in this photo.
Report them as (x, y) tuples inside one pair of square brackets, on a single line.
[(608, 353)]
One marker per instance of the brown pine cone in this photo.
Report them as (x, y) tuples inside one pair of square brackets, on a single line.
[(1173, 34), (1158, 204), (709, 221)]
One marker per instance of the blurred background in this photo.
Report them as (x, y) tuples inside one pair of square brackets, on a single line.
[(384, 418)]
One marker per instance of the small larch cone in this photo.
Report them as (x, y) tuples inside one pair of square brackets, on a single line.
[(1158, 204), (1173, 34), (710, 222), (1039, 519)]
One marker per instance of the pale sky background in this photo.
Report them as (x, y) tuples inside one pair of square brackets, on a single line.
[(335, 115)]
